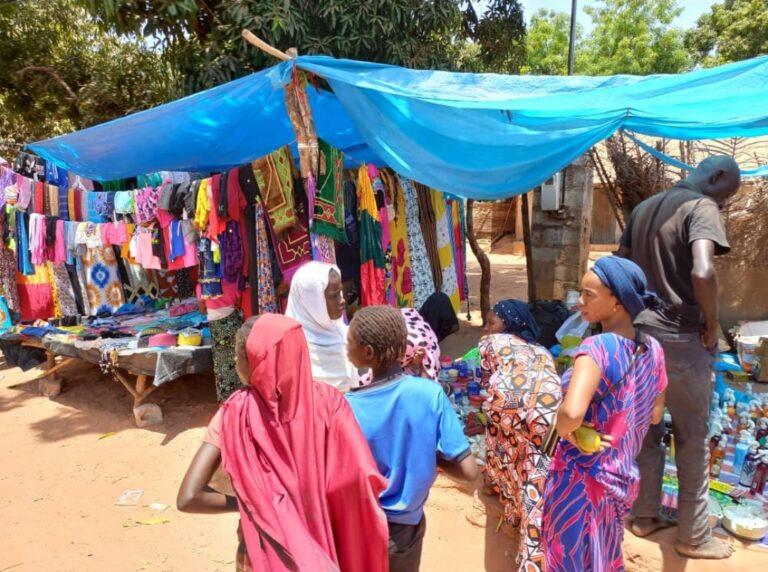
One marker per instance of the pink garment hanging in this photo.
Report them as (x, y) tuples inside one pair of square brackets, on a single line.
[(60, 245)]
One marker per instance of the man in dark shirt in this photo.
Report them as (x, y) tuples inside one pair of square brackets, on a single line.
[(674, 237)]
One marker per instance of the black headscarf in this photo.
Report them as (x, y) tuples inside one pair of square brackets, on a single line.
[(439, 314)]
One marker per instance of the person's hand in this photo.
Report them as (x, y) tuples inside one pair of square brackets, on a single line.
[(606, 441), (711, 338), (417, 363)]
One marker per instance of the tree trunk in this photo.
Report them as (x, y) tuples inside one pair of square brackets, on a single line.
[(482, 259), (528, 249)]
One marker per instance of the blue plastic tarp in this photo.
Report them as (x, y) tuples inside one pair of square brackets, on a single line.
[(481, 136)]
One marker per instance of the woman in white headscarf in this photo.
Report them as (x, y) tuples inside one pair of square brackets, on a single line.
[(316, 301)]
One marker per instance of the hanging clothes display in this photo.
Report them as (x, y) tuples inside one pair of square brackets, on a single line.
[(372, 271), (348, 254), (8, 287), (323, 247), (459, 258), (429, 230), (265, 287), (444, 232), (102, 281), (423, 283), (328, 211), (402, 279), (382, 203), (63, 294), (35, 294), (274, 177)]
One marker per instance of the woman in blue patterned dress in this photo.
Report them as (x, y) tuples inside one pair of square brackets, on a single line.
[(615, 386)]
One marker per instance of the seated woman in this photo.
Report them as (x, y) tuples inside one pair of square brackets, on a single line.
[(616, 390), (306, 484), (523, 396), (438, 312), (316, 301), (515, 317)]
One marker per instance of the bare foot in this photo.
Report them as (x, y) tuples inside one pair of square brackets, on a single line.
[(642, 527), (713, 549)]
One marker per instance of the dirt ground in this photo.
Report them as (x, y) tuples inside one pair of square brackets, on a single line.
[(64, 462)]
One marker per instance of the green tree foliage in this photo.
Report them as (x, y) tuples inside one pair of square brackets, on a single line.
[(633, 37), (203, 38), (547, 43), (731, 31), (59, 72)]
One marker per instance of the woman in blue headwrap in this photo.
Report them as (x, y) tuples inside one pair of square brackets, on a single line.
[(523, 396), (611, 395)]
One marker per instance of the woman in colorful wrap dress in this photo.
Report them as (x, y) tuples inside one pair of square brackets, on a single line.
[(616, 388), (523, 396)]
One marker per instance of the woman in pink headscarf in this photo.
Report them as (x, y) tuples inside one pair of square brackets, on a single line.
[(305, 482)]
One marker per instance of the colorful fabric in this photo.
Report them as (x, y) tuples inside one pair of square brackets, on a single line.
[(518, 319), (523, 396), (103, 285), (299, 464), (146, 204), (265, 289), (35, 294), (203, 205), (292, 249), (223, 350), (423, 283), (401, 280), (323, 246), (372, 263), (328, 217), (8, 287), (63, 293), (450, 283), (274, 177), (460, 232), (588, 496), (382, 202), (428, 225)]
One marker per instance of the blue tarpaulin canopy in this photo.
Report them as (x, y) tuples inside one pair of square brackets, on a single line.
[(482, 136)]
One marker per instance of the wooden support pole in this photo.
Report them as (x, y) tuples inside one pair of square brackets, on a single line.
[(253, 39), (51, 370), (126, 384), (482, 259), (528, 250), (297, 105)]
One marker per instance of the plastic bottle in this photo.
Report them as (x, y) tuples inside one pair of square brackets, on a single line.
[(761, 472), (719, 452), (473, 388), (742, 448), (749, 467), (714, 472), (458, 397)]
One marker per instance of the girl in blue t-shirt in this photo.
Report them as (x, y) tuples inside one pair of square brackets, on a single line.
[(410, 427)]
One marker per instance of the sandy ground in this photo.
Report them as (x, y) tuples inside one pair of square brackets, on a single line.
[(64, 462)]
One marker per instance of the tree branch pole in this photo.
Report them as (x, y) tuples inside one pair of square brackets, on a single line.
[(528, 249), (482, 259), (298, 108)]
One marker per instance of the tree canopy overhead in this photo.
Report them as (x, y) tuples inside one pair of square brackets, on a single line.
[(203, 38), (59, 72), (732, 30), (633, 37)]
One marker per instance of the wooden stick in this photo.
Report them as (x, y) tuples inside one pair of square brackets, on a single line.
[(51, 370), (253, 39), (528, 249), (127, 384), (142, 395)]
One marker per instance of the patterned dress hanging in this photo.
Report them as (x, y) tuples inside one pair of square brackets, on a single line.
[(103, 286), (423, 284), (402, 278), (372, 263), (450, 285)]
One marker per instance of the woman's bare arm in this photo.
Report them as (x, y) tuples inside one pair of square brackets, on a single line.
[(195, 495)]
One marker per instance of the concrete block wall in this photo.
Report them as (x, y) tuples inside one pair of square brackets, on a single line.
[(560, 241)]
